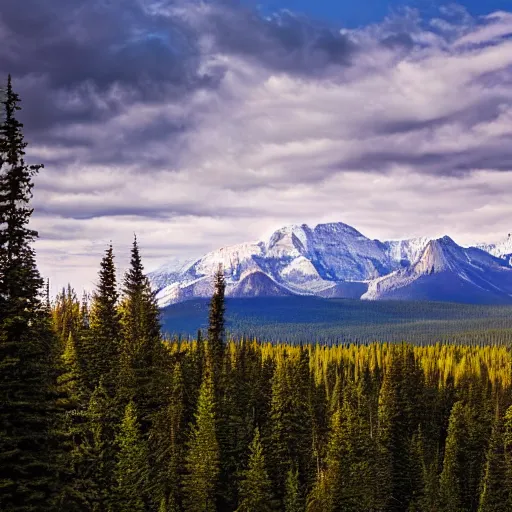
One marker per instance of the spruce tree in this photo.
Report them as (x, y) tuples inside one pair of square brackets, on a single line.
[(66, 314), (495, 489), (101, 346), (293, 501), (71, 381), (216, 325), (203, 458), (95, 461), (291, 433), (166, 441), (131, 473), (234, 432), (27, 345), (507, 447), (72, 401), (399, 418), (140, 357), (255, 487), (453, 488)]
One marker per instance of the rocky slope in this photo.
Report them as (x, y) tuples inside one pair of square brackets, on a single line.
[(336, 260)]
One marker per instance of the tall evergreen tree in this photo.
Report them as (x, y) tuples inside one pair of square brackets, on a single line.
[(166, 444), (94, 457), (66, 314), (255, 487), (216, 325), (398, 421), (72, 401), (101, 346), (291, 435), (495, 490), (27, 346), (453, 484), (131, 473), (141, 343), (203, 458)]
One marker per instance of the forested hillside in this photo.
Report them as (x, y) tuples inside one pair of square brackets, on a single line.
[(99, 413), (328, 321)]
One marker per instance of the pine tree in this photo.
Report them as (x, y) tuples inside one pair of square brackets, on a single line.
[(94, 457), (141, 343), (166, 444), (131, 473), (234, 431), (331, 484), (72, 401), (293, 501), (255, 487), (507, 447), (101, 346), (66, 314), (453, 495), (291, 435), (202, 460), (495, 495), (216, 326), (27, 345), (398, 420)]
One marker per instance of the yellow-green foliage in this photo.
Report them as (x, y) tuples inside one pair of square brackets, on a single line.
[(439, 362)]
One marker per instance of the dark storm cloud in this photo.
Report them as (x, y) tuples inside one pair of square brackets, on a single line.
[(74, 42), (83, 63), (66, 54), (285, 41)]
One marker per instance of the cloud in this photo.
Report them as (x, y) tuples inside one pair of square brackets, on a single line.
[(198, 124)]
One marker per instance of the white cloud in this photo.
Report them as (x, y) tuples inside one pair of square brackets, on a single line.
[(401, 143)]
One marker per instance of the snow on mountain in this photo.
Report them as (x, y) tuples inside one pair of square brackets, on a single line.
[(298, 259), (447, 271), (258, 284), (407, 251), (169, 272), (336, 260), (501, 249)]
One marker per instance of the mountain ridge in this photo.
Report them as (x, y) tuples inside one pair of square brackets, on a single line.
[(335, 260)]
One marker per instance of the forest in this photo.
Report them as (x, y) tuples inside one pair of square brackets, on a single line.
[(100, 412), (333, 321)]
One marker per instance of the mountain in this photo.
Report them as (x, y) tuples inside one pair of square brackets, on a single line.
[(296, 259), (502, 249), (336, 261), (446, 271)]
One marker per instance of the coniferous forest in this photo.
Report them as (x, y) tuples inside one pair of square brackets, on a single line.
[(98, 412)]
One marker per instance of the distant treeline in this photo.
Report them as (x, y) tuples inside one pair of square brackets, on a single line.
[(335, 321)]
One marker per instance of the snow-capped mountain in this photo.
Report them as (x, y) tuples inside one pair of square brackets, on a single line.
[(407, 251), (501, 249), (446, 271), (336, 260)]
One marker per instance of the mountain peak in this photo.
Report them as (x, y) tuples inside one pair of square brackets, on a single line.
[(335, 260), (501, 249), (438, 256), (336, 228)]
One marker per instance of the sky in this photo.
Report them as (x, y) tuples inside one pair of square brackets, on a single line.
[(197, 124)]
